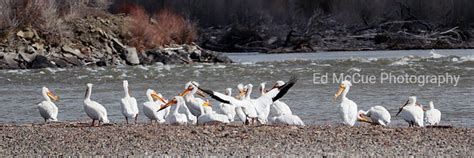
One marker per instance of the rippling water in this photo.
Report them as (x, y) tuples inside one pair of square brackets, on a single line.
[(20, 90)]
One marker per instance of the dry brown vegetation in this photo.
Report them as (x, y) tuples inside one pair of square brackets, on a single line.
[(163, 28), (47, 17)]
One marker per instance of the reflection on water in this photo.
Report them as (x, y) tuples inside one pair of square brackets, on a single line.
[(20, 89)]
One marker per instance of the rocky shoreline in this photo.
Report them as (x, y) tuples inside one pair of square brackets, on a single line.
[(95, 41), (77, 139)]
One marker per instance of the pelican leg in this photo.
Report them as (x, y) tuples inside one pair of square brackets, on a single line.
[(45, 120), (126, 119), (99, 122), (136, 119), (93, 123)]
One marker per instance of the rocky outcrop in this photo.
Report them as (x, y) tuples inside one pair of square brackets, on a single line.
[(95, 42)]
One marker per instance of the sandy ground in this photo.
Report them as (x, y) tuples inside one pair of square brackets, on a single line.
[(77, 139)]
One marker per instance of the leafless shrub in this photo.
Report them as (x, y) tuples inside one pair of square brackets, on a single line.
[(163, 28)]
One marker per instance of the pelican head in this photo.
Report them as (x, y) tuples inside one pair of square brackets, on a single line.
[(278, 84), (153, 96), (88, 90), (262, 88), (125, 83), (241, 88), (188, 88), (228, 91), (431, 105), (248, 90), (49, 95), (411, 101), (343, 87), (191, 87), (362, 117)]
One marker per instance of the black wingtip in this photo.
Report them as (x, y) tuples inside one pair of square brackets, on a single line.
[(211, 94), (208, 92), (284, 89)]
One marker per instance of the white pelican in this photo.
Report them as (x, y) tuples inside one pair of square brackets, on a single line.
[(194, 104), (250, 109), (211, 117), (47, 109), (348, 108), (263, 110), (375, 115), (284, 115), (265, 100), (412, 112), (93, 109), (176, 117), (238, 110), (228, 109), (151, 107), (433, 116), (287, 119), (129, 104), (280, 107)]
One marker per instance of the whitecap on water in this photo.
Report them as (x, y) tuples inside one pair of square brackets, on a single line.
[(143, 67), (198, 66), (196, 73), (360, 59), (467, 58), (354, 69), (108, 76), (218, 66), (402, 61), (322, 65), (18, 71), (81, 77), (247, 63), (54, 70), (435, 55), (91, 70)]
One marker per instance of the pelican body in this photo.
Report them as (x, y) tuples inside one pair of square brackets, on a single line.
[(228, 109), (287, 119), (377, 115), (93, 109), (412, 112), (129, 104), (281, 108), (47, 109), (193, 103), (238, 110), (347, 108), (432, 115), (176, 117), (151, 107)]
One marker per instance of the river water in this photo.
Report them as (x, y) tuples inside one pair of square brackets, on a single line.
[(385, 78)]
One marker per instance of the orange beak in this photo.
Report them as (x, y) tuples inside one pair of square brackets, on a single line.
[(172, 102), (186, 91), (52, 96), (156, 97)]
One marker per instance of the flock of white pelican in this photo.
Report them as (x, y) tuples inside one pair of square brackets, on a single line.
[(249, 110)]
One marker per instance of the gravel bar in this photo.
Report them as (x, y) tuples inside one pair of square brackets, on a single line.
[(77, 139)]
